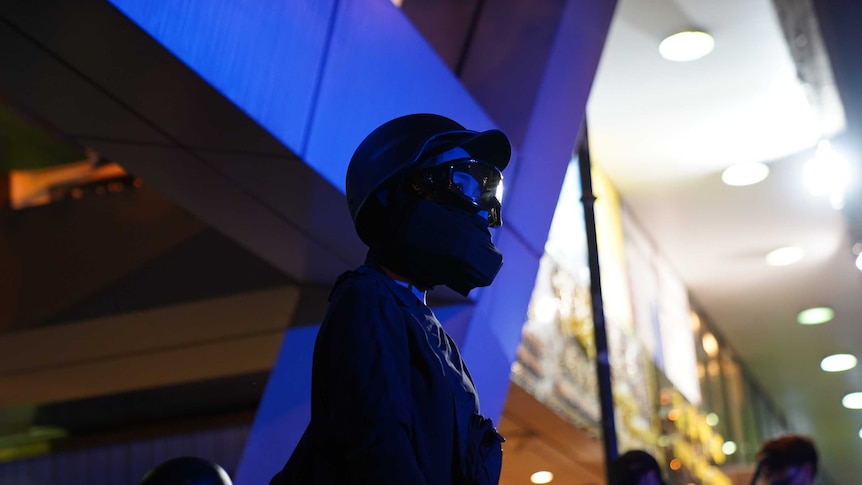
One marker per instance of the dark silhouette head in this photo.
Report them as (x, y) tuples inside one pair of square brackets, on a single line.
[(397, 148), (790, 459), (636, 467), (423, 192), (187, 470)]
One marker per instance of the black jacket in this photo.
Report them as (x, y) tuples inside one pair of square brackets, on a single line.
[(392, 400)]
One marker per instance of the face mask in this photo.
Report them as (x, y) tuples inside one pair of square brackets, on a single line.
[(447, 245)]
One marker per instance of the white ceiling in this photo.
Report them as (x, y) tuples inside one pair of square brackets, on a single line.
[(664, 131), (740, 103)]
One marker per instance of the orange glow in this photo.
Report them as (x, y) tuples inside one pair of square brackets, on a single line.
[(710, 344), (28, 188), (665, 397), (713, 368), (675, 464), (694, 318), (673, 415)]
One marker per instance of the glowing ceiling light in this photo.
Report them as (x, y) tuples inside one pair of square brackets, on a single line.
[(859, 262), (728, 448), (827, 174), (838, 362), (860, 433), (742, 174), (784, 256), (541, 477), (694, 319), (815, 316), (852, 400), (712, 419), (710, 344), (686, 46)]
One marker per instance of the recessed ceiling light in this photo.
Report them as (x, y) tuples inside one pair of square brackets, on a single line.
[(785, 256), (838, 362), (686, 46), (815, 316), (852, 400), (860, 433), (541, 477), (859, 262), (747, 173)]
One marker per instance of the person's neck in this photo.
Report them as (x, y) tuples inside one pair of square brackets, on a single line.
[(419, 292)]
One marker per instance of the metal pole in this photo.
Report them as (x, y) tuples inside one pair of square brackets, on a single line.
[(603, 365)]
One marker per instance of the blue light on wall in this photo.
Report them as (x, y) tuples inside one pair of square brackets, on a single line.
[(318, 75)]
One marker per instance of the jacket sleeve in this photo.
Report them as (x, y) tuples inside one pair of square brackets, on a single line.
[(364, 388)]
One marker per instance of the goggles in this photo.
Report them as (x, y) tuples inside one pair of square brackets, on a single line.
[(466, 183)]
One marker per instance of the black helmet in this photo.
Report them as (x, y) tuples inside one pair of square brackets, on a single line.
[(397, 145)]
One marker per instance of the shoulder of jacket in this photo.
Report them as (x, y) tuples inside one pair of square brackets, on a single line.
[(361, 280)]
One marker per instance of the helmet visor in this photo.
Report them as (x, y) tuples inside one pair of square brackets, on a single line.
[(467, 183)]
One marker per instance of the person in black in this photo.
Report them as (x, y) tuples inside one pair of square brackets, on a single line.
[(392, 401)]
